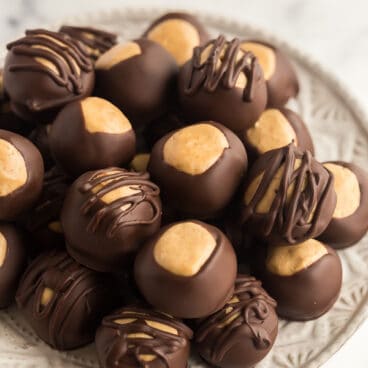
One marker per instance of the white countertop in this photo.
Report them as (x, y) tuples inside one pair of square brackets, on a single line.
[(334, 32)]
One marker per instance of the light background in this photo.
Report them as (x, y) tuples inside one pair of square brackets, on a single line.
[(334, 32)]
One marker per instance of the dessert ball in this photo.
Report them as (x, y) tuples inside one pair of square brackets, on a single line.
[(289, 196), (198, 168), (137, 77), (277, 128), (178, 33), (45, 70), (99, 136), (63, 301), (349, 221), (223, 83), (106, 216), (305, 278), (140, 162), (40, 137), (12, 262), (187, 269), (243, 331), (95, 41), (281, 79), (139, 337), (21, 175)]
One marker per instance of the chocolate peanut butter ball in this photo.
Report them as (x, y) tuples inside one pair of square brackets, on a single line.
[(305, 279), (277, 128), (223, 83), (349, 221), (106, 216), (63, 301), (96, 41), (45, 70), (21, 175), (99, 136), (289, 196), (137, 77), (198, 168), (12, 262), (243, 332), (187, 269), (281, 79), (137, 337), (178, 33)]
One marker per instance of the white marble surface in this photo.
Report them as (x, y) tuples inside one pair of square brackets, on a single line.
[(334, 32)]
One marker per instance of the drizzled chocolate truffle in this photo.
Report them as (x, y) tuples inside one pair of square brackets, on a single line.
[(223, 83), (137, 77), (12, 262), (99, 136), (21, 175), (63, 301), (349, 221), (276, 128), (282, 82), (305, 279), (96, 41), (40, 137), (187, 269), (243, 331), (138, 337), (189, 165), (178, 33), (45, 70), (106, 216), (289, 196)]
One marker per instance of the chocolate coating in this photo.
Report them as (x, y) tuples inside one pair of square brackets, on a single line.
[(201, 196), (187, 296), (304, 200), (82, 150), (307, 294), (45, 70), (67, 315), (40, 137), (104, 233), (23, 197), (243, 332), (346, 231), (119, 346), (140, 85), (208, 87), (12, 262)]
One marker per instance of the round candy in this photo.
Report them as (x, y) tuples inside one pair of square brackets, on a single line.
[(189, 165), (305, 279), (137, 77), (289, 196), (21, 175), (106, 216), (349, 221), (45, 70), (187, 269), (64, 301), (243, 331), (282, 82), (137, 337), (223, 83), (99, 136), (12, 262), (178, 33)]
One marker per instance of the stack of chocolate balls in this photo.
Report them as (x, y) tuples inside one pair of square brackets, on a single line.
[(126, 203)]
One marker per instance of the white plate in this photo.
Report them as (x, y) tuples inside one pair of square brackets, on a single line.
[(340, 131)]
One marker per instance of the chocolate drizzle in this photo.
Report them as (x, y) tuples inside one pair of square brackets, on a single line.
[(298, 215), (67, 56), (162, 343), (105, 181), (252, 307), (223, 66)]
